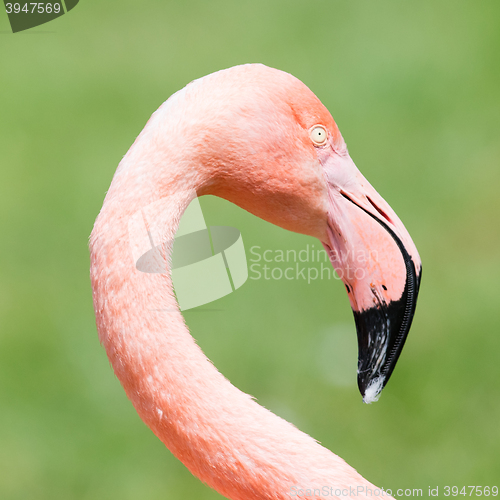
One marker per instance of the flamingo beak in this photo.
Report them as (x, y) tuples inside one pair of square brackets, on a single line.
[(378, 262)]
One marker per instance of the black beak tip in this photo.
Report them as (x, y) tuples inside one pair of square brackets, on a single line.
[(371, 387), (382, 331)]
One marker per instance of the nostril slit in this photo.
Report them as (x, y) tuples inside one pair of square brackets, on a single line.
[(347, 197), (381, 212)]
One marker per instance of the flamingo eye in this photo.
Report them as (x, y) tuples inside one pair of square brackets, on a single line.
[(318, 135)]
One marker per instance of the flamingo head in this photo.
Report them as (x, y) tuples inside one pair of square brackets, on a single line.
[(269, 145)]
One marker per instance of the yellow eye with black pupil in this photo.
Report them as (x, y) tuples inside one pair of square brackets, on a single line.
[(318, 135)]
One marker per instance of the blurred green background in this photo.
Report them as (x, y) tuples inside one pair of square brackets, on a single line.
[(415, 90)]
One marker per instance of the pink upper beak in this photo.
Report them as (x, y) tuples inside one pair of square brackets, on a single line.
[(378, 262)]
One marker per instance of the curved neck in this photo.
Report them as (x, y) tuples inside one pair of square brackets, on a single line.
[(224, 437)]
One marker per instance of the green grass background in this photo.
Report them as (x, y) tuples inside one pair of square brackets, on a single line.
[(415, 90)]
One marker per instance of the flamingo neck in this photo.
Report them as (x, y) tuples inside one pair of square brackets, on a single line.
[(224, 437)]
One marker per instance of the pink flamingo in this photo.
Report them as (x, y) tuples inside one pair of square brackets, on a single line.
[(261, 139)]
